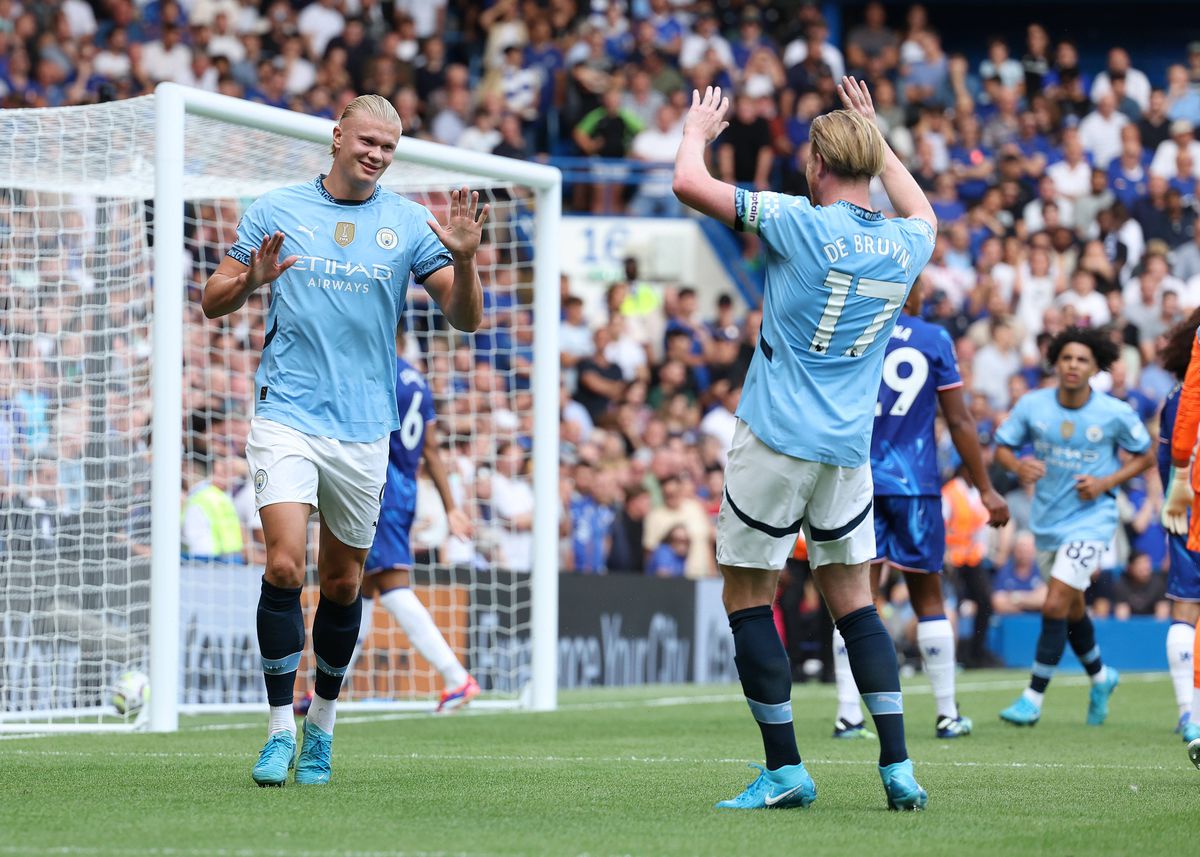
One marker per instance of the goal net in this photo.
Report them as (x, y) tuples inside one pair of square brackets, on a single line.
[(122, 408)]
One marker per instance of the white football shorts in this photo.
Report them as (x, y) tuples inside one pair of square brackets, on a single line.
[(342, 479), (770, 496), (1074, 563)]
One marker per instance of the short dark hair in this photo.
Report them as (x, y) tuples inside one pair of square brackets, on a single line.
[(1104, 350)]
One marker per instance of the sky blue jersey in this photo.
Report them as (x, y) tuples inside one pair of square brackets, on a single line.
[(407, 444), (918, 364), (836, 277), (1073, 442), (328, 362)]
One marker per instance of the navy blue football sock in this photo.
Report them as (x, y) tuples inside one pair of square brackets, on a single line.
[(335, 632), (873, 662), (280, 640), (766, 674), (1082, 637), (1050, 645)]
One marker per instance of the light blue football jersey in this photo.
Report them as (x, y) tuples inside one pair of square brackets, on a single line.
[(1072, 442), (328, 365), (836, 277), (920, 362)]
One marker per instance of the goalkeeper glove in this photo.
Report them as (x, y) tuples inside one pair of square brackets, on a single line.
[(1178, 503)]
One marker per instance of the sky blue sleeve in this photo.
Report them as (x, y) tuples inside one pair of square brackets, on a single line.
[(771, 216), (429, 253), (1014, 432), (921, 241), (945, 364), (251, 230), (1132, 436)]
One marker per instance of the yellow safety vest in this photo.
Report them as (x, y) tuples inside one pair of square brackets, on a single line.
[(222, 519)]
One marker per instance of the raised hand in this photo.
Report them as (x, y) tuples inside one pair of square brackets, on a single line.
[(707, 116), (464, 228), (856, 97), (265, 266)]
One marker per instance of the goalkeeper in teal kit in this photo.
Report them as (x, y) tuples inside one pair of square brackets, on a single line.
[(337, 252)]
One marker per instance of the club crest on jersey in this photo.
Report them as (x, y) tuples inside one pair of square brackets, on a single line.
[(343, 233), (1067, 429), (386, 238), (1094, 433), (260, 481)]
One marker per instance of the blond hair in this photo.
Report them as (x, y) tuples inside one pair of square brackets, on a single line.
[(850, 144), (374, 106)]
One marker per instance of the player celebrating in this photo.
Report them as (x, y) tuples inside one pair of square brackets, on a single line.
[(390, 561), (326, 397), (920, 372), (1178, 424), (837, 274), (1076, 435)]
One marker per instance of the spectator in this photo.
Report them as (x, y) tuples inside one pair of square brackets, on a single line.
[(1000, 65), (1166, 156), (591, 523), (669, 559), (705, 44), (626, 554), (1137, 85), (657, 145), (681, 508), (606, 132), (601, 382), (1090, 307), (512, 506), (1139, 591), (1018, 587), (575, 342), (1100, 131), (872, 44), (1072, 175), (744, 154)]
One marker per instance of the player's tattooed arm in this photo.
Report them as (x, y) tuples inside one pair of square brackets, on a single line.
[(693, 184)]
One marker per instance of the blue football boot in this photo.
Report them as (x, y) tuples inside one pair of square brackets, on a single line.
[(1098, 697), (278, 756), (1021, 713), (903, 792), (315, 764), (779, 789)]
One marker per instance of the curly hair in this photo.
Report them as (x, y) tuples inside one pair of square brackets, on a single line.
[(1104, 350), (1178, 350)]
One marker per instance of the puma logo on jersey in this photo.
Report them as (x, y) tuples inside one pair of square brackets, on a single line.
[(311, 233)]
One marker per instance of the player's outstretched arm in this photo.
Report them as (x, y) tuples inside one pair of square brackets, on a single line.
[(902, 189), (693, 184), (456, 288), (460, 523), (233, 282), (966, 441)]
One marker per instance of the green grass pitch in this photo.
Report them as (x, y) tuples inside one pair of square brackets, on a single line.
[(618, 772)]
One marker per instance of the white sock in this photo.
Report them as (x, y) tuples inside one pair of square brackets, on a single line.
[(1180, 639), (1101, 676), (418, 625), (282, 720), (1034, 696), (364, 631), (847, 691), (322, 713), (935, 639)]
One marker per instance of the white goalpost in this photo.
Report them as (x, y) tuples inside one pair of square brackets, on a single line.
[(119, 403)]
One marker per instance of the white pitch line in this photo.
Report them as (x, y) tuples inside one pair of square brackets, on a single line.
[(573, 760), (167, 851), (803, 693)]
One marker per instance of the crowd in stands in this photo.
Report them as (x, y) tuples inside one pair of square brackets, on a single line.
[(1066, 195)]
